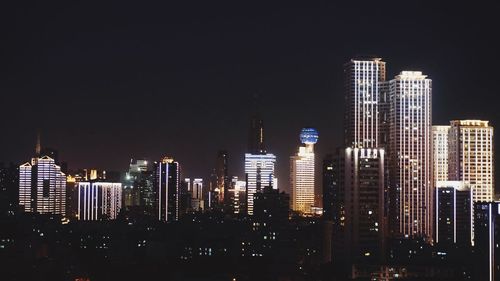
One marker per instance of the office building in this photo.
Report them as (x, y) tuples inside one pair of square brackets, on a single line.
[(487, 241), (471, 156), (42, 187), (440, 152), (166, 187), (259, 165), (302, 173), (138, 185), (330, 186), (363, 79), (237, 197), (223, 180), (453, 213), (259, 171), (197, 202), (357, 193), (362, 217), (99, 200), (411, 184)]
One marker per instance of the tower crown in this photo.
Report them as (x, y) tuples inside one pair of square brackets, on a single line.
[(309, 135)]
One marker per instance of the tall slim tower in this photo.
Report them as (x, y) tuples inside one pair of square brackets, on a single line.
[(363, 77), (223, 180), (167, 186), (471, 156), (411, 183), (302, 173), (256, 133), (259, 165), (330, 187), (360, 217), (38, 147)]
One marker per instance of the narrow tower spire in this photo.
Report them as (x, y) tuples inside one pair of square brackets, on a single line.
[(38, 146), (256, 135)]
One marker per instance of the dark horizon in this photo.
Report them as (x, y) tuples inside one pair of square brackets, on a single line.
[(110, 82)]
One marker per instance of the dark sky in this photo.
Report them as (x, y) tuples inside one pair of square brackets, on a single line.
[(107, 81)]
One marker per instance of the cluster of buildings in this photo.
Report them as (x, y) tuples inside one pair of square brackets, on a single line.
[(396, 177), (399, 177), (158, 188)]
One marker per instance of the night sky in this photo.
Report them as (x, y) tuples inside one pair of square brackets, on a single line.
[(107, 81)]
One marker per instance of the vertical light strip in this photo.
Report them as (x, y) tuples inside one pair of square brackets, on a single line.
[(167, 170), (454, 215), (79, 198), (437, 215), (159, 190), (471, 217), (490, 250)]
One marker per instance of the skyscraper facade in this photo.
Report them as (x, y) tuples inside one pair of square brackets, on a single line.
[(302, 173), (487, 241), (167, 185), (42, 186), (363, 77), (411, 183), (138, 185), (223, 180), (471, 156), (197, 195), (259, 172), (440, 152), (453, 213), (330, 187), (359, 217), (363, 218), (237, 196), (99, 200), (259, 165)]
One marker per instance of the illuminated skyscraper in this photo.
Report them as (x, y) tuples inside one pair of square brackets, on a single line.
[(138, 185), (411, 184), (237, 196), (99, 200), (440, 152), (471, 156), (259, 171), (167, 185), (259, 165), (197, 195), (359, 217), (453, 213), (302, 173), (363, 77), (223, 180), (42, 186)]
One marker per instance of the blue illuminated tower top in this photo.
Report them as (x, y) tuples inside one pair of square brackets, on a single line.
[(309, 135)]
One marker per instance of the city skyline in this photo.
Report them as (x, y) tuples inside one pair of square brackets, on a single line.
[(245, 141), (75, 67)]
